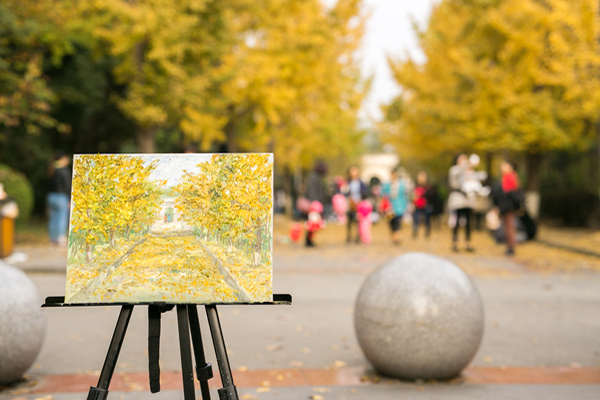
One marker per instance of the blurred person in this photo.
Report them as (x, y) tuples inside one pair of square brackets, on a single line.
[(435, 205), (339, 184), (511, 202), (459, 204), (356, 189), (302, 204), (8, 206), (280, 201), (340, 207), (395, 191), (316, 188), (422, 208), (475, 191), (314, 222), (58, 198), (363, 213), (375, 189)]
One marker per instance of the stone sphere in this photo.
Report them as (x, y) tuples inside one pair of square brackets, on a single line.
[(419, 317), (22, 324)]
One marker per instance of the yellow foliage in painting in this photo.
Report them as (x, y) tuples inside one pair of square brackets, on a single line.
[(215, 248), (231, 197), (112, 195), (174, 270)]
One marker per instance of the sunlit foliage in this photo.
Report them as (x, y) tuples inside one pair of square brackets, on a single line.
[(520, 75)]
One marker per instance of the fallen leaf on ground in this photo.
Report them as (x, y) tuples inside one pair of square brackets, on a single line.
[(339, 364), (488, 359), (274, 347), (321, 390), (243, 368), (249, 396), (263, 389), (316, 397)]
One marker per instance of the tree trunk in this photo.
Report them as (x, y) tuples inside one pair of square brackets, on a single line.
[(112, 238), (258, 247), (532, 192), (288, 184), (145, 139), (532, 163), (88, 253), (489, 161), (598, 134), (231, 145)]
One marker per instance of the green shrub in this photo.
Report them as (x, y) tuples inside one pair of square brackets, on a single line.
[(18, 187)]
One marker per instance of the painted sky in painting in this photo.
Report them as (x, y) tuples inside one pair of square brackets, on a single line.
[(171, 167)]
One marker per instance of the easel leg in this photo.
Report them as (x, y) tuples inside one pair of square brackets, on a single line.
[(228, 392), (101, 391), (203, 369), (187, 370)]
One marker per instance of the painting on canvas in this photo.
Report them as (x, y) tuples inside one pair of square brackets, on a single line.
[(178, 228)]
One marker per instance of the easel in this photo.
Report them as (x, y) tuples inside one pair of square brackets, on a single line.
[(188, 323)]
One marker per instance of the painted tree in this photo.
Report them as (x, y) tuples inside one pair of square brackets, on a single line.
[(112, 195), (517, 75), (231, 197)]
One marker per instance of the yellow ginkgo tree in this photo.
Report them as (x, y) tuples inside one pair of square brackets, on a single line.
[(501, 75)]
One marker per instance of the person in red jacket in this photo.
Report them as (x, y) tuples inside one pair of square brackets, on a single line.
[(422, 209), (510, 190)]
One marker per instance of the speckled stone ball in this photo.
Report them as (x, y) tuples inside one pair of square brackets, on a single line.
[(22, 324), (419, 317)]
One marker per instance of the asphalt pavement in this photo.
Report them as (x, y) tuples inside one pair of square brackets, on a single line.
[(541, 339)]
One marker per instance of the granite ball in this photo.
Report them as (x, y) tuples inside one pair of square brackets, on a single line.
[(419, 317), (22, 324)]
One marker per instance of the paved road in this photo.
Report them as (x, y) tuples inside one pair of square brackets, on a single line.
[(534, 324)]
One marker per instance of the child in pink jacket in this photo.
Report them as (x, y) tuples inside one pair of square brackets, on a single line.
[(363, 212)]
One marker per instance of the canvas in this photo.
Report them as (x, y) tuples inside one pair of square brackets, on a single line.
[(178, 228)]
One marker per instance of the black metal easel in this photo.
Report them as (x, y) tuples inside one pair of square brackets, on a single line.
[(188, 323)]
